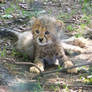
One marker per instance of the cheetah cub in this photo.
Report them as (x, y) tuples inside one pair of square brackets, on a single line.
[(47, 46), (42, 43)]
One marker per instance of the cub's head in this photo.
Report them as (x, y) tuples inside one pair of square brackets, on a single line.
[(45, 30)]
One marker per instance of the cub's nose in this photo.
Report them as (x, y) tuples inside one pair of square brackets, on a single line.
[(40, 39)]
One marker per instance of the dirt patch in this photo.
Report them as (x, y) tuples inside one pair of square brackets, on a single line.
[(71, 13)]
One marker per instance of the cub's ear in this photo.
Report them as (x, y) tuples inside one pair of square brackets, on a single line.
[(36, 21), (60, 24), (33, 18), (32, 21)]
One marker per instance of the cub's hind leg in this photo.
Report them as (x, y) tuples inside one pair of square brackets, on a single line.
[(25, 44), (65, 60)]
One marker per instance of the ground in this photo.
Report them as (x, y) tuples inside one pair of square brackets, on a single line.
[(76, 14)]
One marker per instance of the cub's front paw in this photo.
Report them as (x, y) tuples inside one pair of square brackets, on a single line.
[(70, 64), (36, 70)]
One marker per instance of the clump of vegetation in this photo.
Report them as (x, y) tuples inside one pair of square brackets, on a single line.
[(86, 6), (15, 53), (70, 28), (14, 11), (85, 19), (3, 52), (74, 25), (87, 78), (63, 16)]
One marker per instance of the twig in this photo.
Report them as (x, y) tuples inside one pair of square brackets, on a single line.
[(64, 69), (28, 63), (80, 86), (68, 21), (21, 63), (49, 72)]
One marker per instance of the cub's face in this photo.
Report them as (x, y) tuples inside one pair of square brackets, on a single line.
[(44, 31), (41, 35)]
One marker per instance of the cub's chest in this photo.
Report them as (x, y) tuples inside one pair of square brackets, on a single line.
[(46, 51)]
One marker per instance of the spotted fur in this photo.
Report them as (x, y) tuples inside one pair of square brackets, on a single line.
[(47, 48), (42, 43)]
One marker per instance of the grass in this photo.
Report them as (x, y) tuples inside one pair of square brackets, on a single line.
[(15, 53), (70, 28), (85, 20), (3, 52), (55, 88), (87, 77), (86, 6), (65, 87), (16, 10), (63, 16)]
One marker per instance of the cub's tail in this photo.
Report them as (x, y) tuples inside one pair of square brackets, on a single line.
[(9, 33)]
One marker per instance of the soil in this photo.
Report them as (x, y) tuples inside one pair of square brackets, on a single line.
[(17, 78)]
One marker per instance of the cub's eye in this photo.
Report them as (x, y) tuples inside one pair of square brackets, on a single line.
[(47, 32), (37, 31)]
